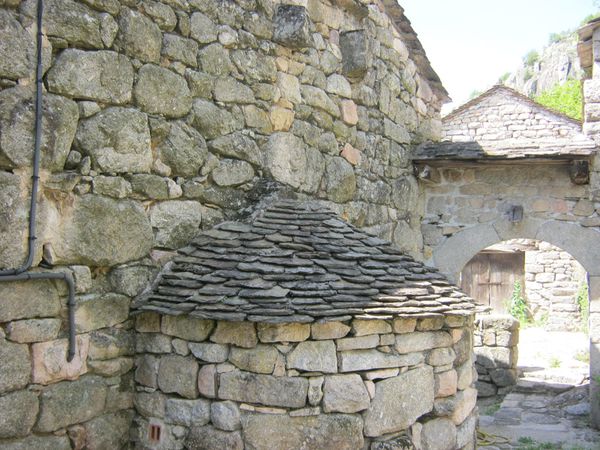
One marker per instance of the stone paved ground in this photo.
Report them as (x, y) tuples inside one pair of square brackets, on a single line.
[(550, 404)]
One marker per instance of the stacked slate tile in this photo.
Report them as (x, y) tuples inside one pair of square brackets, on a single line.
[(298, 262)]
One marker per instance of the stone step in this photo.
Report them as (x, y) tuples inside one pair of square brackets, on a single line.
[(540, 386), (571, 375)]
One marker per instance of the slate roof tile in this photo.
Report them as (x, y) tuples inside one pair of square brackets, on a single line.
[(298, 262)]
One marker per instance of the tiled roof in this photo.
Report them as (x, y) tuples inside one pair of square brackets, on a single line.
[(505, 150), (500, 88), (298, 262)]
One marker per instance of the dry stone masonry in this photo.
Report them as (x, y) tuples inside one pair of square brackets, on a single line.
[(553, 281), (504, 118), (493, 147), (512, 169), (299, 331), (162, 118), (495, 342), (391, 383)]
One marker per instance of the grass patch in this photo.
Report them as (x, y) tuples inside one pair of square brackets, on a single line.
[(582, 356), (492, 409), (554, 362), (527, 443)]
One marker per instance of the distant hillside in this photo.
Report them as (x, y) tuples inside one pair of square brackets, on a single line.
[(542, 70)]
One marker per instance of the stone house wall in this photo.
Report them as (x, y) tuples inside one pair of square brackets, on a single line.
[(467, 196), (502, 115), (553, 279), (495, 341), (161, 118), (328, 384)]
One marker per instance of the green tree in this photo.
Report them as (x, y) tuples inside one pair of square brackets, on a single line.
[(565, 98), (531, 58), (504, 77), (475, 93)]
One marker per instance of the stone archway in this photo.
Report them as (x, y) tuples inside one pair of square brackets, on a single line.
[(581, 242)]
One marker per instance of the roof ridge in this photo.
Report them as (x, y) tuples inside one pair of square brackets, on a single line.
[(501, 87)]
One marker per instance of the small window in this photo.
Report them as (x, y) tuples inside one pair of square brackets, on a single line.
[(155, 432)]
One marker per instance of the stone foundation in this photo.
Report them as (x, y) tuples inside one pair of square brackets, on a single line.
[(495, 343), (333, 385)]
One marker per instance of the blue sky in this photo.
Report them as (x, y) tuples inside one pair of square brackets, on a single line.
[(471, 43)]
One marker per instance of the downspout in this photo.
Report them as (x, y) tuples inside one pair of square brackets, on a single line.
[(22, 273)]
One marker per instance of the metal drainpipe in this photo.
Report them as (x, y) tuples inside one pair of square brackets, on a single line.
[(22, 273)]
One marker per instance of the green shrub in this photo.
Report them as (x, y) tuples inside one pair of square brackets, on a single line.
[(590, 17), (557, 37), (475, 93), (565, 98), (503, 78), (531, 58), (583, 356), (516, 305), (583, 304), (554, 362)]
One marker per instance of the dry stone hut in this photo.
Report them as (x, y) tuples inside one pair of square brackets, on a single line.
[(298, 330)]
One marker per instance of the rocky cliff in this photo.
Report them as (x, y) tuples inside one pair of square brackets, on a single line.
[(542, 70)]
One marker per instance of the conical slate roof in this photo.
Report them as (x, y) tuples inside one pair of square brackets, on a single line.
[(298, 262)]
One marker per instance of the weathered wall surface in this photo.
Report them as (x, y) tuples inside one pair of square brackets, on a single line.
[(374, 384), (161, 118), (495, 341)]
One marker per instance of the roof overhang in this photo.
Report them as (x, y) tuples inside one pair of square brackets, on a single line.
[(585, 46), (473, 153)]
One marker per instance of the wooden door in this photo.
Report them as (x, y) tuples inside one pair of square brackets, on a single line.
[(489, 278)]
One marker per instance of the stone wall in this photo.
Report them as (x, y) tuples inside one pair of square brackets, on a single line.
[(495, 341), (47, 403), (345, 385), (466, 196), (553, 280), (161, 118)]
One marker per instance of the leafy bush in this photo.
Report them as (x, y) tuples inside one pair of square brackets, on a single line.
[(517, 306), (557, 37), (475, 93), (583, 305), (531, 58), (583, 356), (565, 98), (503, 78), (590, 17)]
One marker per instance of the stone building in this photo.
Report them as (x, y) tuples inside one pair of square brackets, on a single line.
[(297, 330), (160, 119), (512, 169)]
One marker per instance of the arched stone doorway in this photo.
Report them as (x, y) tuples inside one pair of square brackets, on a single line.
[(581, 242)]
